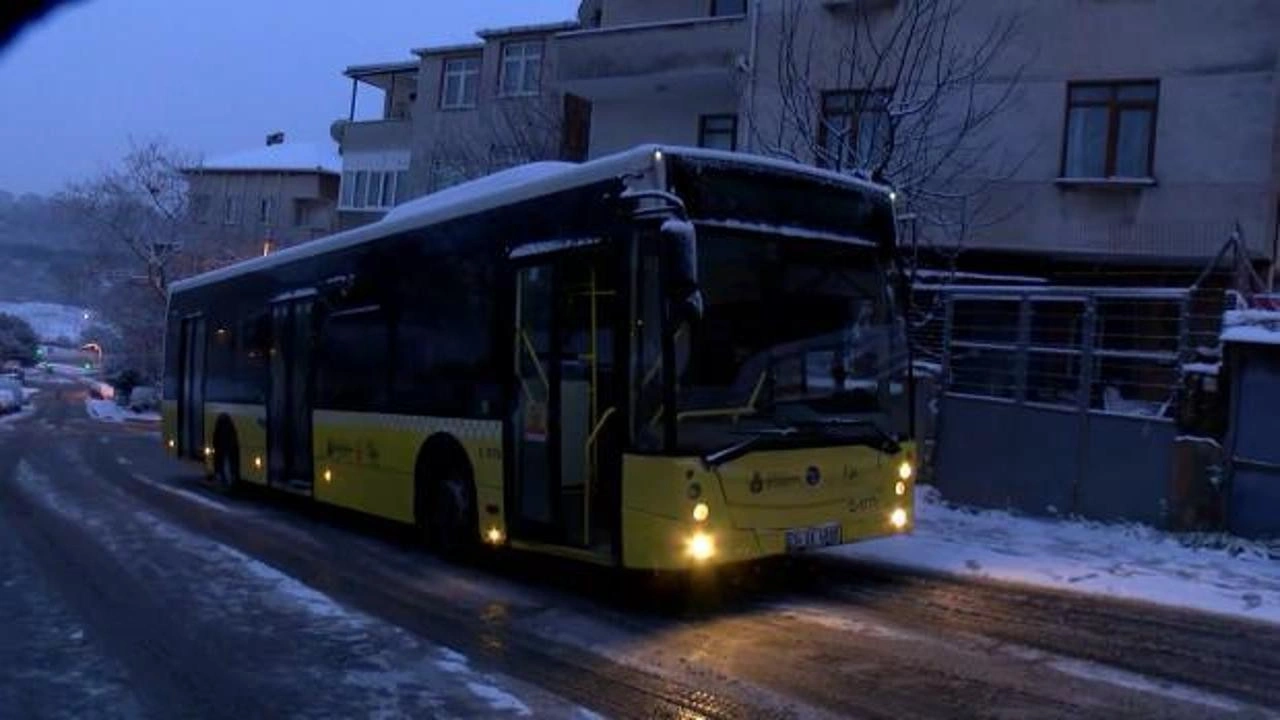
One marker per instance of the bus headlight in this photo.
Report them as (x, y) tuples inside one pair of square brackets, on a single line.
[(898, 518), (700, 546), (701, 512), (905, 471)]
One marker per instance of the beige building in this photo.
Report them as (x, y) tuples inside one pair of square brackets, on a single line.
[(1052, 134), (268, 198)]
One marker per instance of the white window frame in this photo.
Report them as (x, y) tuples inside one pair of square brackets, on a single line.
[(465, 70), (518, 56), (379, 189)]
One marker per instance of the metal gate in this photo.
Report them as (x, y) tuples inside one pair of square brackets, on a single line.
[(1061, 400)]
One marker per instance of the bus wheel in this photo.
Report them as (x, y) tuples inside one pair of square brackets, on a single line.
[(452, 523), (226, 462)]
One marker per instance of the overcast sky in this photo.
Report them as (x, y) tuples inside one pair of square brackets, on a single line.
[(210, 76)]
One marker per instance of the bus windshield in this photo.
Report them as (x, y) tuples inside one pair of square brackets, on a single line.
[(797, 337)]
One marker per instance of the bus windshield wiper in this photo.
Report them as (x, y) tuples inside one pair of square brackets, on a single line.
[(715, 459), (888, 443)]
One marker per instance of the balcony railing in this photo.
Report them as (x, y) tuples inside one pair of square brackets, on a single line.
[(376, 135)]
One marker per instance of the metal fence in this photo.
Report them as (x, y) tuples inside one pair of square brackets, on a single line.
[(1060, 400)]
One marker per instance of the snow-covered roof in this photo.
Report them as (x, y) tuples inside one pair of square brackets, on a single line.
[(284, 157), (512, 186), (1260, 327), (551, 27), (359, 71)]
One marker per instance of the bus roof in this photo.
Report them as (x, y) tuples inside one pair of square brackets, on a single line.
[(517, 184)]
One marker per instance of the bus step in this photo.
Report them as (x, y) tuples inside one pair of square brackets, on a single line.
[(295, 486)]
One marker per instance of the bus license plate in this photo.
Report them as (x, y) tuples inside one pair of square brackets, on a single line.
[(804, 538)]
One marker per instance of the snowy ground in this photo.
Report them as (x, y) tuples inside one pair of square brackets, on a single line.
[(51, 321), (109, 411), (1215, 574)]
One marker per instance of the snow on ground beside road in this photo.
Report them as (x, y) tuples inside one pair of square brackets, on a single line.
[(1235, 577), (109, 411), (51, 321)]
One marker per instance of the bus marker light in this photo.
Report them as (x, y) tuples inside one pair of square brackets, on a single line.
[(905, 471), (328, 475), (898, 518), (701, 512), (494, 536), (257, 462), (172, 444), (700, 546), (900, 488), (208, 452)]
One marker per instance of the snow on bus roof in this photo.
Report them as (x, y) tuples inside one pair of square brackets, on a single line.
[(510, 186)]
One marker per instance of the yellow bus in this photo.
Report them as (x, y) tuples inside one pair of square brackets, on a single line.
[(663, 359)]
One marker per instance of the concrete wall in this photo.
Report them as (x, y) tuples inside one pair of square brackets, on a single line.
[(621, 125), (452, 144), (1216, 125)]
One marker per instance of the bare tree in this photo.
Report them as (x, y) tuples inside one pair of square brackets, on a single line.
[(140, 211), (139, 217), (904, 92)]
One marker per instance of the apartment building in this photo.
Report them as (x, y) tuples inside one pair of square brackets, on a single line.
[(266, 198), (457, 112), (1051, 136)]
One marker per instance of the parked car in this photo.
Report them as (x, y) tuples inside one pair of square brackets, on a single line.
[(144, 399), (9, 402), (13, 387)]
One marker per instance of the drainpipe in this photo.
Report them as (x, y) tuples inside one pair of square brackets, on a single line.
[(753, 55)]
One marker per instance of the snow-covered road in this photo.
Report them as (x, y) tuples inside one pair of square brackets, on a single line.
[(130, 583)]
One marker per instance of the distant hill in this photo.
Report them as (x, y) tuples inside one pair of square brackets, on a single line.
[(43, 256), (53, 322)]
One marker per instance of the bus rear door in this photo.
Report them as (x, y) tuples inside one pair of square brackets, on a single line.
[(289, 462)]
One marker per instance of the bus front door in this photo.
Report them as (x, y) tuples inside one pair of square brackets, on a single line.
[(566, 466), (289, 462)]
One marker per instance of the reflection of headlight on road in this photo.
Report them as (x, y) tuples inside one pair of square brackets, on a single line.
[(898, 518), (700, 546)]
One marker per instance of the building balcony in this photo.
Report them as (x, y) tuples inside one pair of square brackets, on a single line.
[(692, 56), (370, 136)]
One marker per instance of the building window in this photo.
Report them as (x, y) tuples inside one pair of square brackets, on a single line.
[(461, 83), (347, 197), (369, 189), (718, 132), (200, 206), (1110, 129), (854, 133), (231, 210), (267, 211), (301, 213), (720, 8), (521, 68)]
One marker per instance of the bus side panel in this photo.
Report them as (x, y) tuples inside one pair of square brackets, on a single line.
[(366, 461), (250, 423)]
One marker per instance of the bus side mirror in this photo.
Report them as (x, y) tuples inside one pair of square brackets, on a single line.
[(680, 247)]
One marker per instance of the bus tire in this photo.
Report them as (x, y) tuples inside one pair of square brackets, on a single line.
[(226, 457), (446, 497)]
